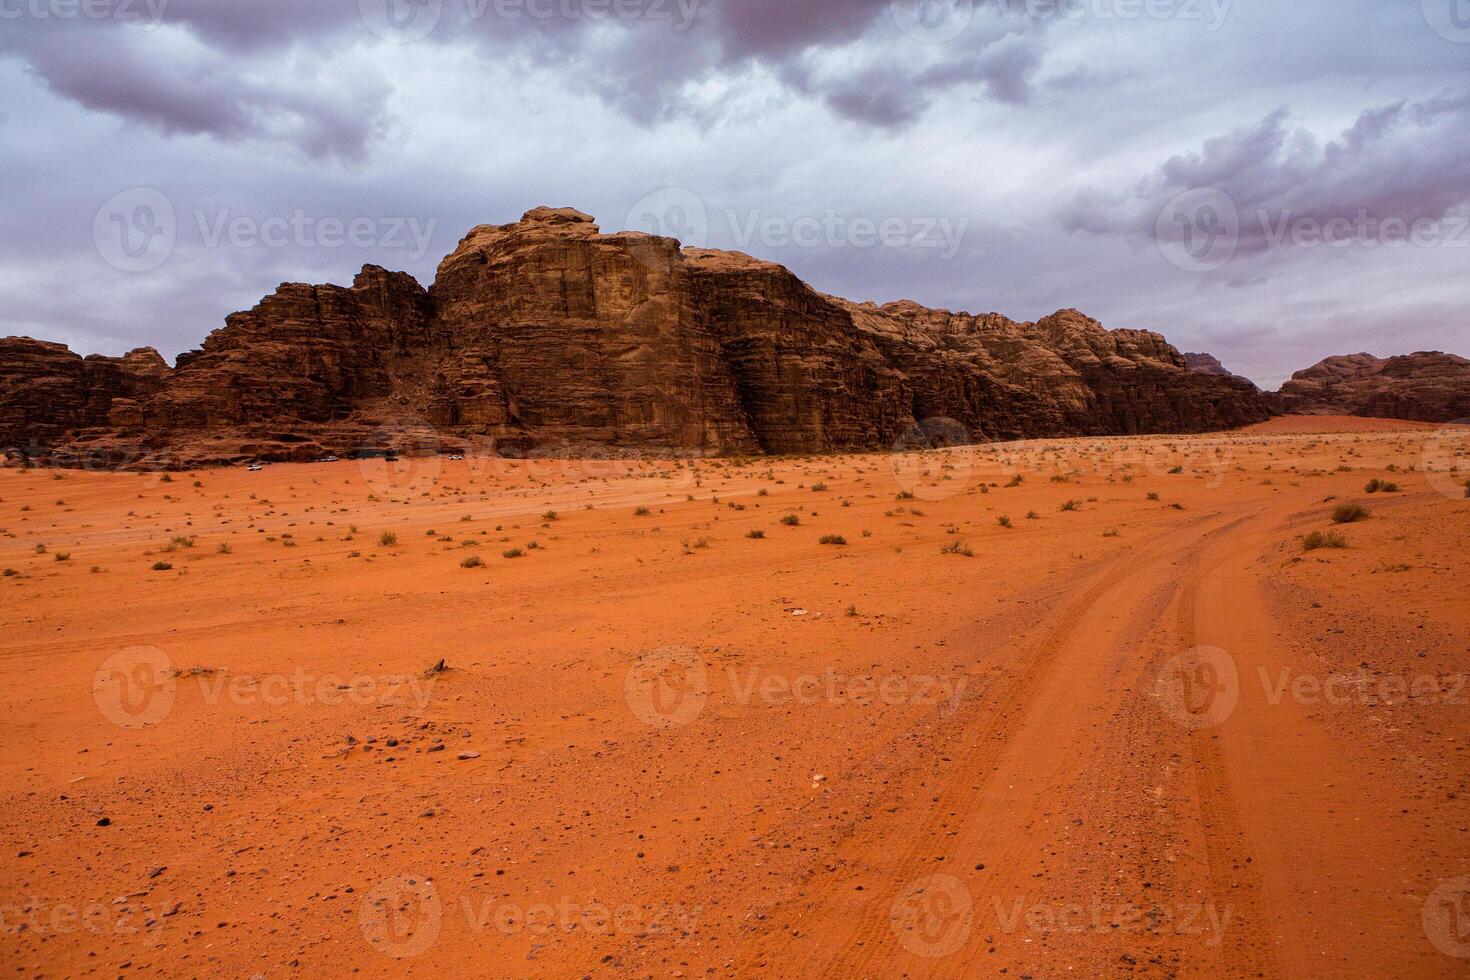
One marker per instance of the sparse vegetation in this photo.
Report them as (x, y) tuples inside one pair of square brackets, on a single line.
[(832, 539), (790, 520), (1323, 539), (512, 553), (755, 534), (1003, 521), (640, 512), (957, 548), (161, 566), (1072, 505), (387, 539), (1348, 513), (1376, 485), (473, 561)]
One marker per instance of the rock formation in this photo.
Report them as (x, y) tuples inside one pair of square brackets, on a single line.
[(547, 336), (1428, 386)]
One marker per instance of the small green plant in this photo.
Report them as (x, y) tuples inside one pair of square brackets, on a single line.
[(1003, 521), (640, 512), (755, 534), (224, 548), (550, 515), (832, 539), (1348, 513), (790, 520), (1153, 495), (387, 539), (957, 548), (512, 553), (161, 566), (819, 487), (1072, 505), (473, 561), (1323, 539), (1376, 485)]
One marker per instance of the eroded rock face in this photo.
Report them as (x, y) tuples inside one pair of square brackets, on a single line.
[(547, 335), (1429, 386)]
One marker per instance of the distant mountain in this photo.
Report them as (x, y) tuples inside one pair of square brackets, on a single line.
[(1428, 386)]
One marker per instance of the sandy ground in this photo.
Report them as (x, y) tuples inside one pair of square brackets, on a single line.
[(1143, 734)]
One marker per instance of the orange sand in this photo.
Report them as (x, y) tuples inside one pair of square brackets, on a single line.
[(666, 748)]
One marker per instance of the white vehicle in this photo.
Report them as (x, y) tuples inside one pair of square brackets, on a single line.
[(329, 459), (456, 457), (254, 468)]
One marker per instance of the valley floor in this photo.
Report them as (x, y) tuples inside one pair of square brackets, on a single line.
[(1074, 707)]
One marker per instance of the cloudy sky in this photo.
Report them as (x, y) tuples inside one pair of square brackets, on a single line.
[(1270, 181)]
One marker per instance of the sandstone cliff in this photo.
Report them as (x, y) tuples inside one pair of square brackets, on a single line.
[(547, 335), (1428, 386)]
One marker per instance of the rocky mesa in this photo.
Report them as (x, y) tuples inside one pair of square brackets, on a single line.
[(1428, 386), (546, 335)]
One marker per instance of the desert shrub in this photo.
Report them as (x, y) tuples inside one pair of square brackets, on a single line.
[(473, 561), (1003, 521), (161, 566), (550, 515), (1348, 513), (1376, 485), (1153, 495), (790, 520), (1072, 505), (755, 534), (512, 553), (957, 548), (904, 495), (819, 487), (832, 539), (387, 539), (1323, 539), (640, 511)]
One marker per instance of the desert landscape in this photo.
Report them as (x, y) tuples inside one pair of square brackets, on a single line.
[(1153, 706)]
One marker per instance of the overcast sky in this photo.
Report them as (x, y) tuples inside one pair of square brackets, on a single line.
[(1272, 181)]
